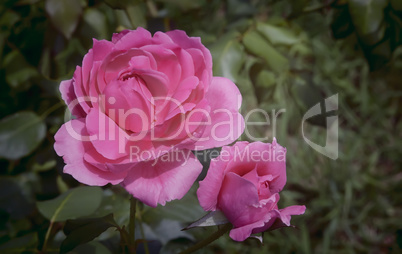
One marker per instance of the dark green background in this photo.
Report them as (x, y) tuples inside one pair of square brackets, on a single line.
[(282, 55)]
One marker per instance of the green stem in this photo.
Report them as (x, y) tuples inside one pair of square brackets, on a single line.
[(142, 233), (47, 236), (131, 224), (221, 231), (51, 110)]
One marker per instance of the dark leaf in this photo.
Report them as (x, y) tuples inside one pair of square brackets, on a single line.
[(78, 202), (64, 14), (258, 46), (367, 16), (81, 231), (20, 134), (211, 219)]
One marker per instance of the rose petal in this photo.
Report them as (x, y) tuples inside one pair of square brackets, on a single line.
[(273, 163), (70, 143), (227, 123), (235, 197), (117, 36), (69, 96), (167, 63), (133, 39), (181, 38), (107, 137), (126, 105), (167, 178)]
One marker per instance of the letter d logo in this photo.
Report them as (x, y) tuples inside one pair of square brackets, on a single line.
[(331, 144)]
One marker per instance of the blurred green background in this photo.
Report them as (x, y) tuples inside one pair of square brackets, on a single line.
[(286, 55)]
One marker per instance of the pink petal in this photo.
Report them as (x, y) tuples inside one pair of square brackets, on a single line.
[(235, 198), (126, 106), (101, 49), (181, 38), (70, 143), (167, 178), (287, 212), (117, 36), (242, 233), (209, 187), (107, 137), (133, 39), (70, 98), (273, 163), (227, 124), (115, 166), (167, 63)]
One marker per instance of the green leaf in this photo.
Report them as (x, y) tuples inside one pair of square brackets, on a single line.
[(117, 4), (184, 5), (277, 35), (20, 134), (91, 248), (97, 23), (15, 197), (18, 71), (265, 79), (396, 5), (211, 219), (258, 46), (21, 244), (185, 210), (75, 203), (81, 231), (228, 56), (64, 15), (136, 14), (367, 15)]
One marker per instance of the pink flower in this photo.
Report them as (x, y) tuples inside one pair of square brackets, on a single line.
[(141, 104), (244, 183)]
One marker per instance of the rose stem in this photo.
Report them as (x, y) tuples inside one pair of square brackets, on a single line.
[(221, 231), (131, 224), (142, 229)]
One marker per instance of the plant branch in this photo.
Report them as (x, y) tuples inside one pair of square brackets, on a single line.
[(221, 231)]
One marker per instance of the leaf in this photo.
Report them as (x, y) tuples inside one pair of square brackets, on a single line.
[(277, 35), (64, 15), (211, 219), (97, 23), (396, 5), (81, 231), (14, 200), (185, 210), (171, 226), (135, 13), (117, 4), (184, 5), (258, 46), (20, 244), (78, 202), (228, 56), (18, 71), (20, 134), (367, 15), (91, 248)]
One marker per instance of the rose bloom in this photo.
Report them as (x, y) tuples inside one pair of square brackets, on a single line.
[(244, 183), (141, 103)]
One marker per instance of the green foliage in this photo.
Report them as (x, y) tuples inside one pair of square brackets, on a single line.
[(81, 231), (75, 203), (287, 55), (20, 134)]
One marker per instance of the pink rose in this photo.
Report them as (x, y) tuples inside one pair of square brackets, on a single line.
[(141, 104), (244, 183)]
